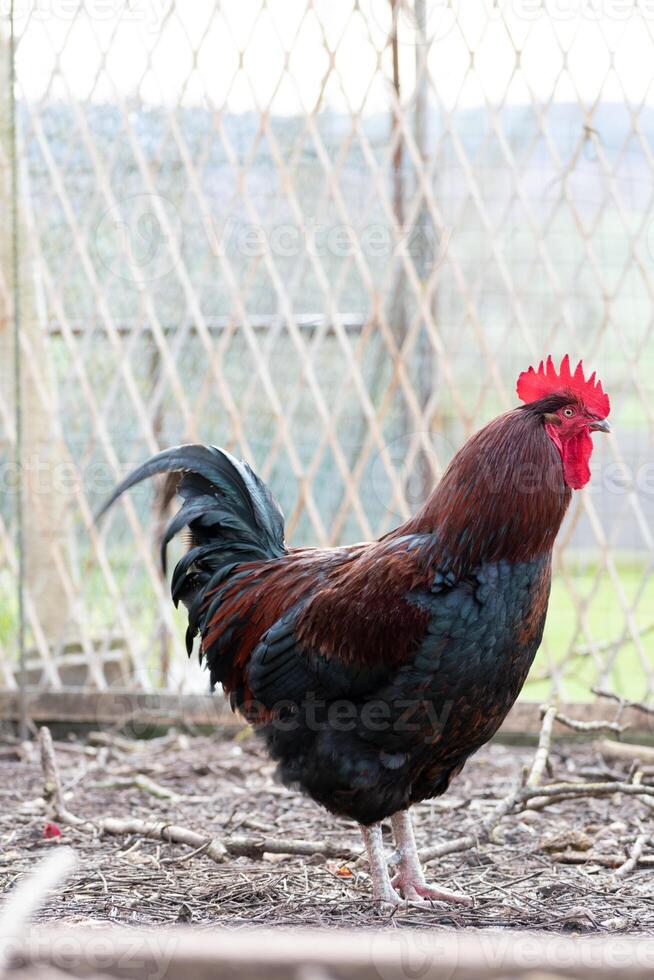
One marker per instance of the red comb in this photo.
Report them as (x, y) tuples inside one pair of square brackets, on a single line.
[(533, 385)]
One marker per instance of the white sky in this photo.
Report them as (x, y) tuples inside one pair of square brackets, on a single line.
[(102, 48)]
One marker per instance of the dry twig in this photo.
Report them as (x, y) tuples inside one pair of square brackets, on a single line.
[(590, 726), (140, 781), (533, 796), (647, 709), (590, 857), (544, 744), (634, 856)]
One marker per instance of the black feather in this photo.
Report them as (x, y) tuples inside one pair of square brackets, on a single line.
[(231, 515)]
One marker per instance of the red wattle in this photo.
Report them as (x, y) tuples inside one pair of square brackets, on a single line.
[(576, 459), (575, 452)]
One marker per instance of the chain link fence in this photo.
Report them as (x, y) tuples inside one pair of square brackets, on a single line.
[(327, 237)]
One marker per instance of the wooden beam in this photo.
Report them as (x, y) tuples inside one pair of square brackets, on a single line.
[(137, 710), (525, 718), (145, 712), (471, 954)]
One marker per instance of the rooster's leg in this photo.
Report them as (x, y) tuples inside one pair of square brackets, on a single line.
[(382, 889), (410, 879)]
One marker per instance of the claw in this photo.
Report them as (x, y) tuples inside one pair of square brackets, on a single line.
[(410, 879), (418, 892), (389, 899)]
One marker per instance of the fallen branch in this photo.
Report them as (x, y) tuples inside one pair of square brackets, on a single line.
[(625, 751), (554, 792), (154, 830), (638, 781), (52, 792), (139, 781), (253, 847), (544, 744), (112, 741), (533, 796), (427, 854), (597, 772), (539, 797), (605, 860), (635, 855), (468, 841), (590, 726)]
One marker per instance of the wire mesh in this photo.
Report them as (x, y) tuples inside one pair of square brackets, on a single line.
[(327, 237)]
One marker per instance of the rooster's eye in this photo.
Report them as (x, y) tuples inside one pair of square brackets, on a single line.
[(568, 412)]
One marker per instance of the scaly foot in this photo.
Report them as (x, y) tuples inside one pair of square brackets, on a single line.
[(410, 879), (416, 890), (382, 889)]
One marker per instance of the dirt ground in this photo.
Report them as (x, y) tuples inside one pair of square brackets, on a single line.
[(223, 785)]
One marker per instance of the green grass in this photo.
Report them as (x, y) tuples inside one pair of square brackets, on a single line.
[(590, 597)]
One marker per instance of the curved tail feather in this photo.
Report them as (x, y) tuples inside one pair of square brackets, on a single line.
[(230, 513)]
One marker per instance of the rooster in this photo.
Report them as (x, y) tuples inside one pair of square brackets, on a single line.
[(374, 671)]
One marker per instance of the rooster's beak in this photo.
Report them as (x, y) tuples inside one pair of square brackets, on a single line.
[(599, 425)]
